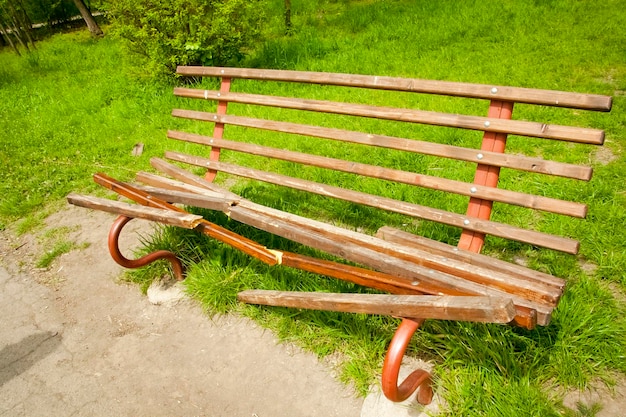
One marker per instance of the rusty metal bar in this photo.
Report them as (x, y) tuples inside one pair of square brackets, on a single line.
[(116, 254), (218, 130)]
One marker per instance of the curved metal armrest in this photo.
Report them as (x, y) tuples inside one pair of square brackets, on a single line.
[(117, 256), (419, 379)]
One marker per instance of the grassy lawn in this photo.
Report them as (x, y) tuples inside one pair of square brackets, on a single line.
[(75, 106)]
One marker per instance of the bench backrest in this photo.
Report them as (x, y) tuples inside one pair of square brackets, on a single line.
[(475, 143)]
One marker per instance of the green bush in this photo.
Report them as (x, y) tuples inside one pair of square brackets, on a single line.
[(167, 33)]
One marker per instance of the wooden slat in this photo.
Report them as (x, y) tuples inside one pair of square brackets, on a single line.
[(483, 91), (520, 285), (525, 317), (222, 234), (172, 218), (342, 245), (418, 242), (526, 286), (475, 309), (188, 178), (441, 216), (520, 162), (426, 181), (159, 181), (381, 261), (529, 314), (515, 127)]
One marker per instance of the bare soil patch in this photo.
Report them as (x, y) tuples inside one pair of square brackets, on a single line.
[(76, 341)]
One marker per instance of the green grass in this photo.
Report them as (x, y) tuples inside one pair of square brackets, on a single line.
[(55, 243), (72, 108), (69, 110), (57, 250)]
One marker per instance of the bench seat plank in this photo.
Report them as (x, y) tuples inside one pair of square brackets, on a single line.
[(483, 91), (393, 235), (298, 223), (514, 127), (528, 288), (377, 260), (498, 159), (534, 285), (427, 213), (426, 181)]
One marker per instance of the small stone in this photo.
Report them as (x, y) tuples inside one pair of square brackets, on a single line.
[(165, 292)]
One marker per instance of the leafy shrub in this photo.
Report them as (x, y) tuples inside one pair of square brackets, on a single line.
[(167, 33)]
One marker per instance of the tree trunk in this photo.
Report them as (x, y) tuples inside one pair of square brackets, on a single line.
[(288, 16), (15, 29), (24, 22), (86, 14), (5, 34)]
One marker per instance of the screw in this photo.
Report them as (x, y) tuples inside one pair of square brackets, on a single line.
[(473, 190), (494, 90), (466, 222), (479, 156), (487, 123)]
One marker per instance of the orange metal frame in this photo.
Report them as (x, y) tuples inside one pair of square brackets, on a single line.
[(218, 131), (472, 241), (418, 380)]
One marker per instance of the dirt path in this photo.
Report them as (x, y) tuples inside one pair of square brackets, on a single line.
[(75, 342)]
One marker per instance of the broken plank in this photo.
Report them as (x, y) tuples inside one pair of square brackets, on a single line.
[(476, 309), (169, 217)]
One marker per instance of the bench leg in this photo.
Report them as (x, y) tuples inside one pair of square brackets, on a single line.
[(117, 256), (391, 369)]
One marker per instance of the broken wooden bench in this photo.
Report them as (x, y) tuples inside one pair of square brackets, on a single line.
[(279, 138)]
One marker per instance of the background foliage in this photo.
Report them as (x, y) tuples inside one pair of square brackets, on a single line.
[(164, 33)]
